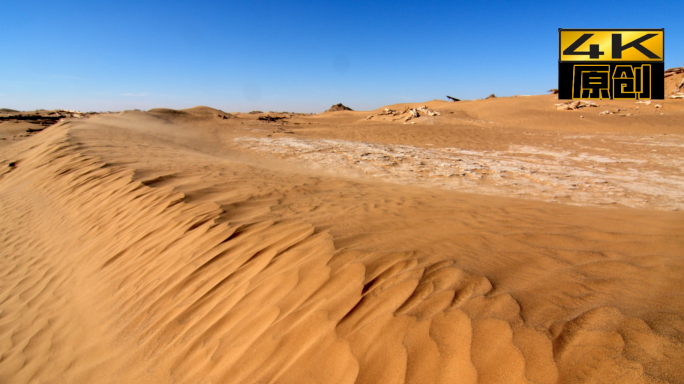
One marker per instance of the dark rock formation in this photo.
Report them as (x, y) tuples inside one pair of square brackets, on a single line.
[(339, 107)]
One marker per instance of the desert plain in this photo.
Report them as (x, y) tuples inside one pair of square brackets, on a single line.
[(500, 240)]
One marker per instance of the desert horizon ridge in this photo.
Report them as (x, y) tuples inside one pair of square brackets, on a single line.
[(501, 240)]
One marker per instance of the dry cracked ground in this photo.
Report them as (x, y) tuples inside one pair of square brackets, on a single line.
[(597, 169)]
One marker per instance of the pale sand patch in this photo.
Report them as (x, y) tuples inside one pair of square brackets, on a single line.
[(590, 177)]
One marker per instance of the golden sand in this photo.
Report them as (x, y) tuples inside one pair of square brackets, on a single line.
[(168, 247)]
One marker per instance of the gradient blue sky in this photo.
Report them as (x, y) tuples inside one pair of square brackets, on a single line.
[(294, 55)]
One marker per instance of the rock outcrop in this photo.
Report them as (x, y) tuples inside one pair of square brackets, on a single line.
[(575, 104), (406, 115), (339, 107)]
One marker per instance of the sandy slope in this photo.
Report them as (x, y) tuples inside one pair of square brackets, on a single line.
[(153, 247)]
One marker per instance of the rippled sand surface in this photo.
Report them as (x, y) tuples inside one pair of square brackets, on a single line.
[(502, 241)]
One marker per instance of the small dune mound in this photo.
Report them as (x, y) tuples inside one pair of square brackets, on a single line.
[(204, 111), (195, 114), (7, 110), (167, 112), (208, 112), (339, 107)]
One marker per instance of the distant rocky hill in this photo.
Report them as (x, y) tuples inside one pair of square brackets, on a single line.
[(339, 107), (7, 110)]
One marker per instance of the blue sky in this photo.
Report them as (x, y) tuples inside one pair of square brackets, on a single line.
[(294, 55)]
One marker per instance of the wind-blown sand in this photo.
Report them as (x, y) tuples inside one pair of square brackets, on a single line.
[(481, 245)]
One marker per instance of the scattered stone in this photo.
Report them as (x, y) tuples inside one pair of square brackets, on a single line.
[(271, 119), (391, 112), (553, 91), (281, 130), (606, 112), (417, 112), (385, 112), (647, 102), (674, 71), (575, 104), (41, 119), (407, 114), (679, 88), (339, 107), (12, 164)]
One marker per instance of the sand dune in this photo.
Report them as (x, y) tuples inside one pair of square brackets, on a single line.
[(154, 247)]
